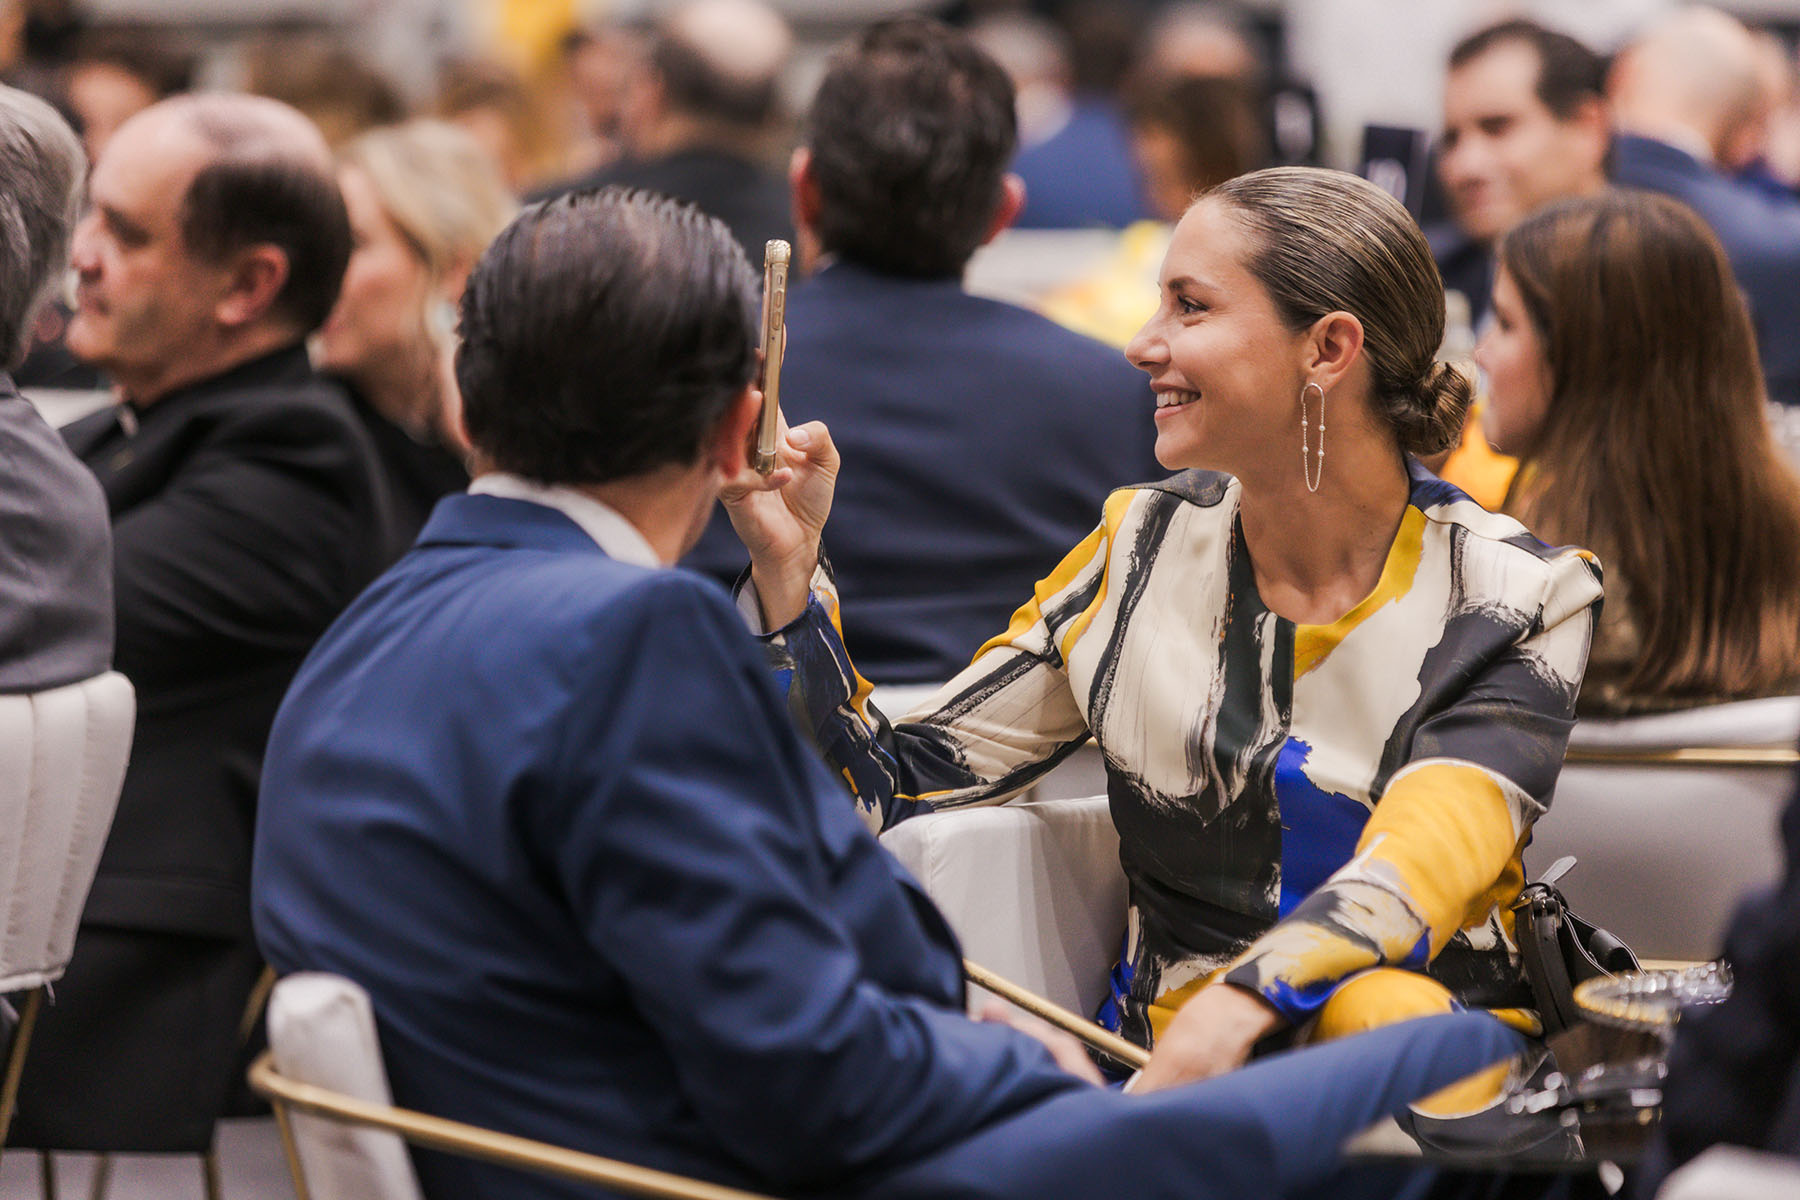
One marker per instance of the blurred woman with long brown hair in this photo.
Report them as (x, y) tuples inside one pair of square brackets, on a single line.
[(1623, 373)]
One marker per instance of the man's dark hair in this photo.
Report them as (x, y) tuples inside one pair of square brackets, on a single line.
[(259, 192), (910, 132), (1569, 74), (604, 334)]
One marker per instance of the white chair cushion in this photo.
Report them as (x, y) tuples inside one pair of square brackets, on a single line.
[(1734, 1173), (322, 1032), (1774, 721), (62, 760), (1667, 851), (1034, 891)]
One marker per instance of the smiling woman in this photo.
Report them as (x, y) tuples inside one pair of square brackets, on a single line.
[(1331, 691)]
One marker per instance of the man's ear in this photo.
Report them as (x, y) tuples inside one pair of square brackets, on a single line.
[(1592, 125), (254, 278), (803, 189), (1012, 203), (1334, 346), (727, 449)]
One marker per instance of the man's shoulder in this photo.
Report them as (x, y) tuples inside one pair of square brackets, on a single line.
[(992, 335), (297, 410), (33, 456)]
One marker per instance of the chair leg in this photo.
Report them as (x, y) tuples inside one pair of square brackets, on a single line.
[(47, 1175), (15, 1059), (209, 1167), (284, 1122), (102, 1177)]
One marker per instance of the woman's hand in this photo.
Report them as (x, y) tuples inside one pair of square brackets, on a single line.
[(1063, 1048), (779, 518), (1210, 1035)]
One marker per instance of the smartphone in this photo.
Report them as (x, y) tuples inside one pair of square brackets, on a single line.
[(776, 256)]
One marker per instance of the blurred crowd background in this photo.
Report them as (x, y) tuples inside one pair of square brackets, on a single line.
[(547, 85)]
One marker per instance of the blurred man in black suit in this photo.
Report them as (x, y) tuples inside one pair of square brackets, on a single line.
[(246, 510)]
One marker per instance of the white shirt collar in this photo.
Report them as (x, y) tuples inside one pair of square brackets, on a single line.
[(616, 536)]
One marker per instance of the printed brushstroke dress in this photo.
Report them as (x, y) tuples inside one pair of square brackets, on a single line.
[(1295, 803)]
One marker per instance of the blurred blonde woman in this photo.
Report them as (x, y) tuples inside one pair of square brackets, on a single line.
[(424, 202)]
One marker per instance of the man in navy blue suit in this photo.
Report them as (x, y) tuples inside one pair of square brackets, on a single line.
[(1689, 107), (542, 798), (979, 440)]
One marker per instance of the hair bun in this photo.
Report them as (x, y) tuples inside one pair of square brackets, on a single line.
[(1434, 422)]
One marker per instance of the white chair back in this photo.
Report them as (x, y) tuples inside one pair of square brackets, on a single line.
[(1034, 891), (1666, 850), (62, 760), (1734, 1173), (322, 1032)]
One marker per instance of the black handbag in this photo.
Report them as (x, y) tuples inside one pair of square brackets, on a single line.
[(1559, 950)]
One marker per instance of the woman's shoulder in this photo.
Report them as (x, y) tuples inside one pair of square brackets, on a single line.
[(1206, 489), (1498, 560)]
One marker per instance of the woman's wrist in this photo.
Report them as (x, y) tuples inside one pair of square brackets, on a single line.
[(783, 591)]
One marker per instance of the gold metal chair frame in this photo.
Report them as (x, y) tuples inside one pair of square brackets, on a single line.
[(470, 1141), (15, 1058), (1084, 1030), (1686, 756)]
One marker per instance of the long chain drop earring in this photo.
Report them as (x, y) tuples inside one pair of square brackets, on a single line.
[(1314, 469)]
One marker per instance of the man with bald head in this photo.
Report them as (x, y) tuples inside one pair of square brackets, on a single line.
[(1690, 104), (246, 511), (697, 107)]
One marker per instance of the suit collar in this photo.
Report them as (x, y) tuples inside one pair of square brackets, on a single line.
[(8, 388), (504, 523), (618, 537), (850, 275), (1658, 153), (288, 365)]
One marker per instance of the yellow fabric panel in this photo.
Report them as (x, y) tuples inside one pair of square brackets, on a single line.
[(1383, 996), (1476, 467), (1447, 832), (1387, 996), (1114, 300), (1073, 563), (531, 30), (1313, 642), (1162, 1009), (859, 699)]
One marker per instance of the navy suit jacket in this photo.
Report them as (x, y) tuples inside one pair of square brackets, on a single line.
[(980, 441), (550, 810), (1761, 236)]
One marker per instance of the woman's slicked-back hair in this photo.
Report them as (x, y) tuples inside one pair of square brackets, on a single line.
[(1655, 452), (604, 334), (1328, 241)]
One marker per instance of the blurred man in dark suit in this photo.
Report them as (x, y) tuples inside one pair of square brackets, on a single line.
[(1734, 1071), (56, 619), (979, 440), (696, 106), (1691, 108), (1525, 123), (246, 511)]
